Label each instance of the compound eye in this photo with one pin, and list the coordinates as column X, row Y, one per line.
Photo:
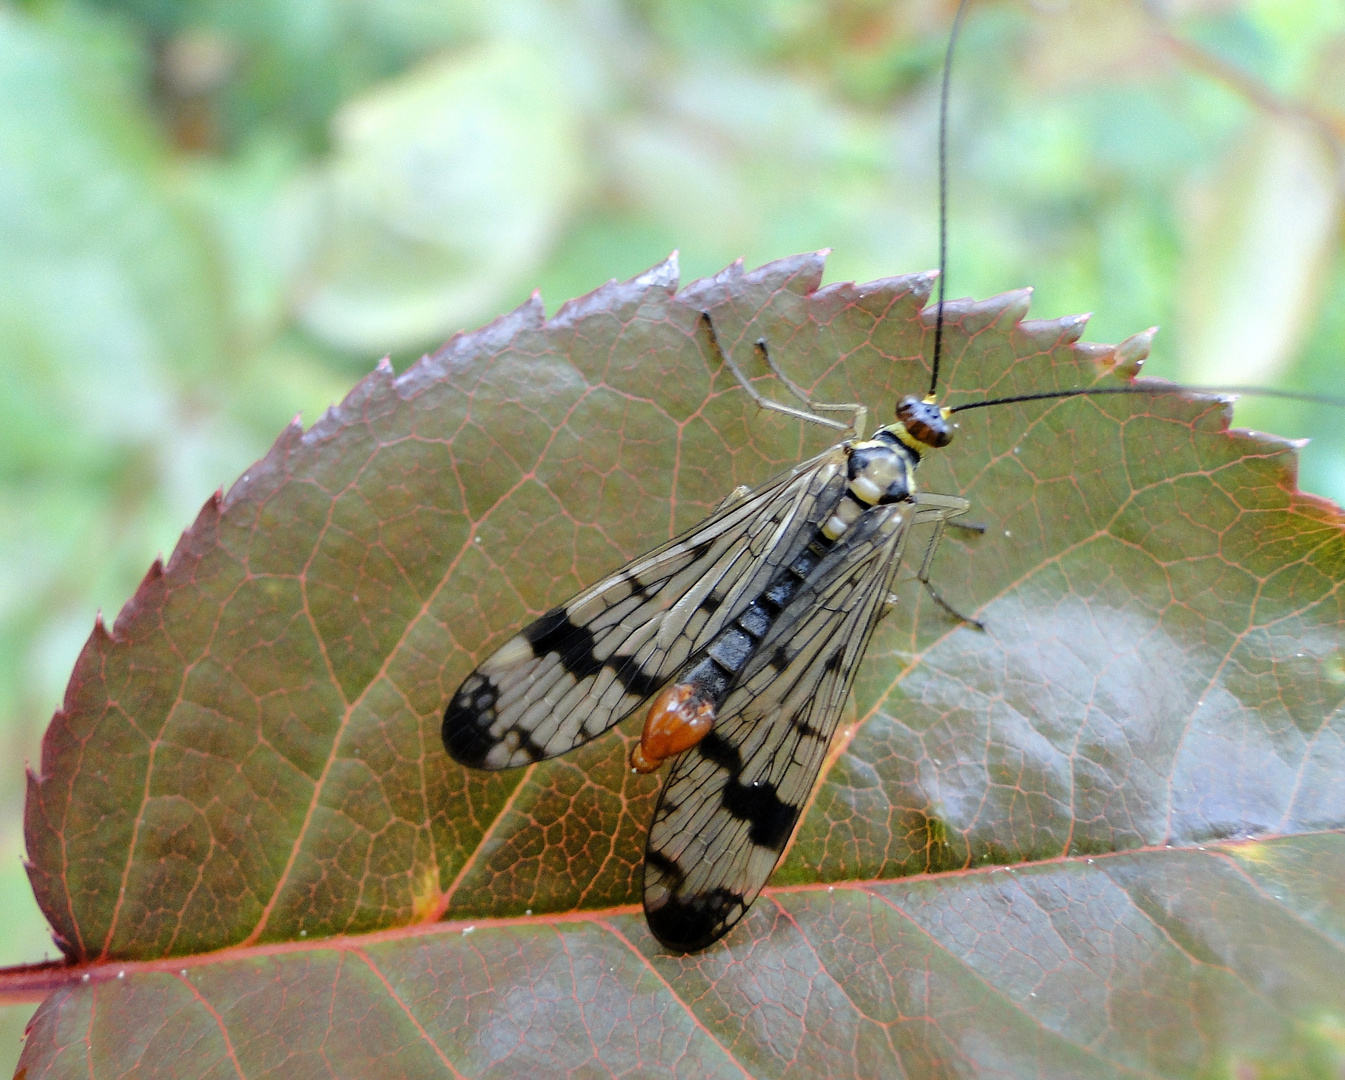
column 925, row 422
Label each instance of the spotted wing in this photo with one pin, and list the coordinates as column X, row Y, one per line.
column 587, row 664
column 731, row 802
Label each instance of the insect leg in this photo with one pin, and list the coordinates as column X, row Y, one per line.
column 754, row 393
column 923, row 577
column 859, row 414
column 942, row 509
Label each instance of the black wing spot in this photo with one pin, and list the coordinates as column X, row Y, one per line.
column 534, row 750
column 665, row 866
column 770, row 821
column 630, row 675
column 542, row 627
column 467, row 720
column 710, row 603
column 780, row 658
column 555, row 633
column 636, row 588
column 714, row 747
column 693, row 923
column 574, row 645
column 801, row 725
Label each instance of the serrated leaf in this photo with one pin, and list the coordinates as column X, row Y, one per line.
column 249, row 760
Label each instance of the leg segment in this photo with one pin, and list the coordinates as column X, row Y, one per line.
column 766, row 403
column 941, row 510
column 859, row 414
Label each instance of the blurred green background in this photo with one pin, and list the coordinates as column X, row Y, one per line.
column 215, row 214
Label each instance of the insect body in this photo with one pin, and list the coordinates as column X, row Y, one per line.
column 746, row 633
column 749, row 629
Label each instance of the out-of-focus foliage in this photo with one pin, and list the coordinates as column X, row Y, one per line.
column 214, row 215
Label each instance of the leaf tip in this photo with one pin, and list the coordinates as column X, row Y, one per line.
column 1132, row 352
column 205, row 522
column 976, row 315
column 662, row 275
column 1012, row 306
column 613, row 294
column 466, row 348
column 1075, row 324
column 1046, row 334
column 795, row 273
column 922, row 285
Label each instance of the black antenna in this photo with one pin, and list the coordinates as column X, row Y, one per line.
column 943, row 195
column 1157, row 388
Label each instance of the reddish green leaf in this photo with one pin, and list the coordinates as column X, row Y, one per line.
column 1157, row 963
column 251, row 756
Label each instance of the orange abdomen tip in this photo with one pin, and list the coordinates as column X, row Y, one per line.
column 678, row 719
